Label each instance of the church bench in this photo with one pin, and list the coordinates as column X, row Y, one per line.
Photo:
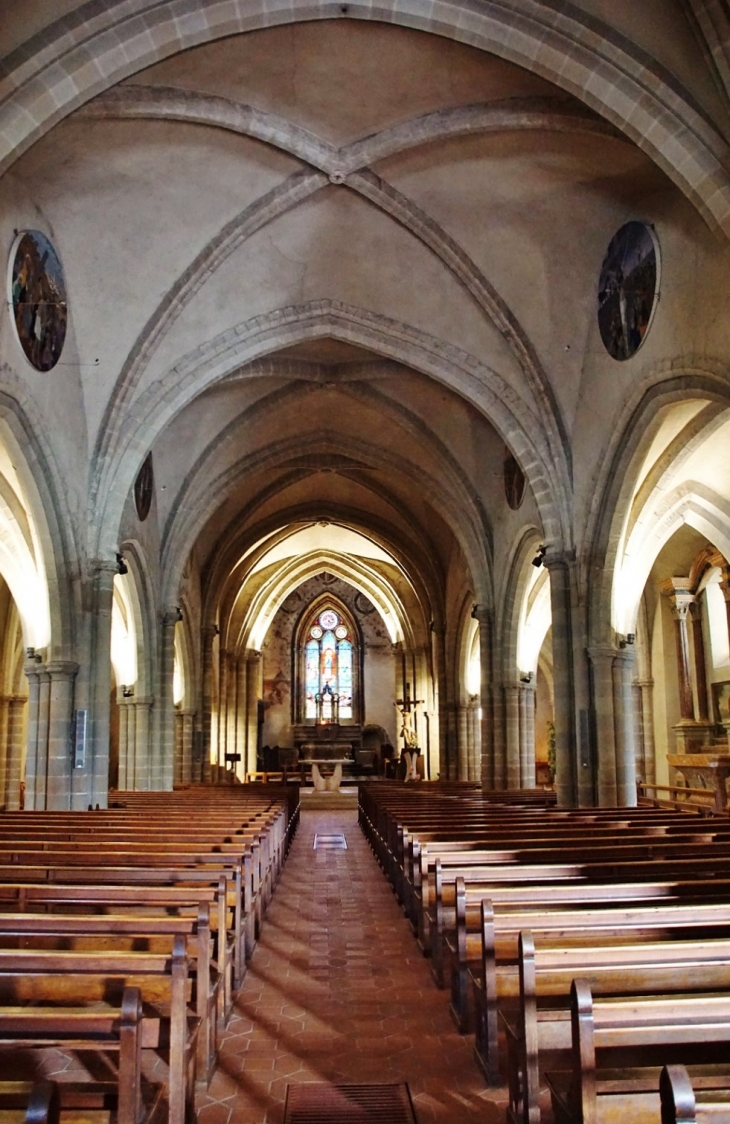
column 636, row 842
column 699, row 1099
column 128, row 933
column 534, row 997
column 106, row 889
column 453, row 854
column 494, row 981
column 704, row 865
column 29, row 1102
column 48, row 979
column 617, row 1047
column 114, row 1030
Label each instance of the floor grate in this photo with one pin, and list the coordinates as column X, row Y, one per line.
column 315, row 1103
column 333, row 842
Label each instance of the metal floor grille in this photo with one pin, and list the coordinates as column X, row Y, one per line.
column 333, row 842
column 315, row 1103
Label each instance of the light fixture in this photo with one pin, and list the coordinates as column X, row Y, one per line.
column 630, row 637
column 122, row 567
column 539, row 557
column 526, row 677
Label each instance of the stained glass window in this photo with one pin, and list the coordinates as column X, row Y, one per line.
column 328, row 667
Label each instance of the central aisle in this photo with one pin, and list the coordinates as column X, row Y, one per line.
column 338, row 991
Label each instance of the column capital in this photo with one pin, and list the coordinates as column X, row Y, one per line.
column 482, row 613
column 170, row 615
column 680, row 593
column 602, row 653
column 558, row 559
column 143, row 702
column 62, row 669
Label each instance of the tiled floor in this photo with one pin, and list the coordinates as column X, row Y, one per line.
column 337, row 990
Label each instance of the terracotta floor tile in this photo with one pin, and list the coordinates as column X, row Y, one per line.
column 337, row 991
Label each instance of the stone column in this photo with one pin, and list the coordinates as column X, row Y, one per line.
column 16, row 744
column 463, row 773
column 126, row 744
column 178, row 775
column 207, row 637
column 32, row 671
column 623, row 669
column 132, row 764
column 512, row 732
column 488, row 739
column 100, row 665
column 646, row 689
column 474, row 740
column 242, row 716
column 4, row 700
column 698, row 644
column 231, row 710
column 62, row 675
column 253, row 661
column 144, row 776
column 499, row 772
column 527, row 735
column 680, row 596
column 452, row 742
column 602, row 660
column 222, row 710
column 164, row 759
column 188, row 728
column 559, row 567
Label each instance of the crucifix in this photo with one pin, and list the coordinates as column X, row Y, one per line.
column 407, row 708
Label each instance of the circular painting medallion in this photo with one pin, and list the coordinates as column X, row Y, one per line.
column 316, row 632
column 514, row 481
column 38, row 294
column 143, row 487
column 627, row 289
column 340, row 632
column 329, row 619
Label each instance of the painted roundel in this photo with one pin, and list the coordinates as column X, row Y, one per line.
column 143, row 488
column 38, row 295
column 627, row 289
column 514, row 481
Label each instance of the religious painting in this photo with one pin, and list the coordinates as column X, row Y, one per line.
column 38, row 293
column 627, row 289
column 514, row 481
column 143, row 487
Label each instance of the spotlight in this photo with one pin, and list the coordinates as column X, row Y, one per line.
column 630, row 637
column 526, row 677
column 122, row 567
column 538, row 559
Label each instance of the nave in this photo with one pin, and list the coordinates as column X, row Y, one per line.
column 338, row 991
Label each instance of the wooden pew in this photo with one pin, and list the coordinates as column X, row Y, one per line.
column 534, row 1001
column 29, row 1102
column 114, row 1030
column 631, row 1034
column 555, row 922
column 129, row 933
column 694, row 1100
column 55, row 978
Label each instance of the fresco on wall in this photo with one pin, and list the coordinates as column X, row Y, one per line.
column 627, row 289
column 39, row 299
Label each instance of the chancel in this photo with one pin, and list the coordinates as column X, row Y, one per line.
column 364, row 419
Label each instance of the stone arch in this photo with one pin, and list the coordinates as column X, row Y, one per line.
column 634, row 432
column 319, row 319
column 71, row 61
